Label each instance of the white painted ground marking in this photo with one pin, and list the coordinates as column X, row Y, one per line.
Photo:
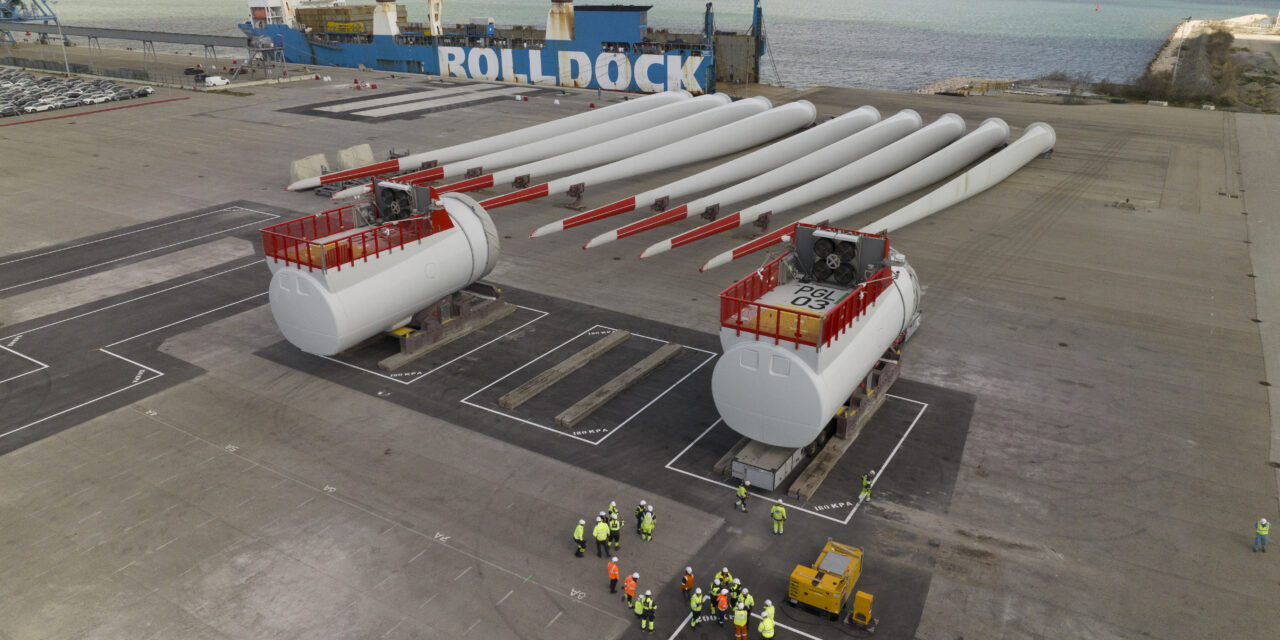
column 505, row 597
column 879, row 472
column 84, row 519
column 472, row 96
column 783, row 626
column 124, row 302
column 213, row 310
column 560, row 432
column 684, row 625
column 680, row 627
column 473, row 625
column 135, row 382
column 134, row 255
column 129, row 233
column 464, row 572
column 413, row 380
column 379, row 102
column 553, row 620
column 40, row 365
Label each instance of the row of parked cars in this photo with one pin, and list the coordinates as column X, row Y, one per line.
column 23, row 92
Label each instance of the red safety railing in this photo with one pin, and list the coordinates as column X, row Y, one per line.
column 309, row 242
column 740, row 311
column 841, row 317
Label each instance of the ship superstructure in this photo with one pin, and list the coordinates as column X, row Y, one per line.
column 609, row 47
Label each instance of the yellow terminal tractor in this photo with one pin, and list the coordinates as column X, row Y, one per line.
column 828, row 584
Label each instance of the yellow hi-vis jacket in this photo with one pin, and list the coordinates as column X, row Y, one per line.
column 695, row 603
column 1264, row 529
column 739, row 617
column 601, row 531
column 766, row 627
column 577, row 533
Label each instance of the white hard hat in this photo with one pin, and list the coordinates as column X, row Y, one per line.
column 612, row 503
column 601, row 514
column 768, row 603
column 698, row 590
column 725, row 570
column 613, row 516
column 746, row 482
column 746, row 590
column 642, row 503
column 580, row 521
column 648, row 592
column 688, row 569
column 649, row 508
column 724, row 591
column 635, row 575
column 871, row 472
column 1264, row 521
column 613, row 559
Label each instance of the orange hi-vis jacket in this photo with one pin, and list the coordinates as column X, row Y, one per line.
column 688, row 581
column 722, row 602
column 629, row 585
column 613, row 570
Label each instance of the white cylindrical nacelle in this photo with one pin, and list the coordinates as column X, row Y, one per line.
column 328, row 312
column 784, row 396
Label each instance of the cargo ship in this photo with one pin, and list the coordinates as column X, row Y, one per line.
column 608, row 47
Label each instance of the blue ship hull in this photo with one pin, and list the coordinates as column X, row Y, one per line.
column 583, row 62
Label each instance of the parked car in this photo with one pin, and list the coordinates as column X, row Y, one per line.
column 143, row 91
column 8, row 110
column 37, row 107
column 216, row 81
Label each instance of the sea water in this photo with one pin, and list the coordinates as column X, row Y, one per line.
column 884, row 44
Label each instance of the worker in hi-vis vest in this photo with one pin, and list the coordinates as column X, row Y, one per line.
column 648, row 613
column 1261, row 532
column 629, row 588
column 601, row 534
column 867, row 480
column 695, row 605
column 740, row 619
column 766, row 627
column 778, row 514
column 613, row 574
column 742, row 495
column 579, row 539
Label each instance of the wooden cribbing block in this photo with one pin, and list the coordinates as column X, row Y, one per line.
column 584, row 407
column 558, row 371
